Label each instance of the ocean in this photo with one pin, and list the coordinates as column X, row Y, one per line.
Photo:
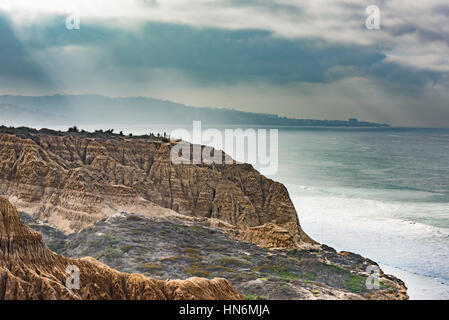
column 382, row 193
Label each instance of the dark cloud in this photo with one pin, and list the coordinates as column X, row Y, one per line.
column 441, row 10
column 221, row 56
column 16, row 62
column 424, row 35
column 265, row 5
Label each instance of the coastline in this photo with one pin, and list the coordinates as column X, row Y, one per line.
column 419, row 287
column 379, row 242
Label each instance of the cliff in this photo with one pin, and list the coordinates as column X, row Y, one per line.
column 72, row 181
column 29, row 270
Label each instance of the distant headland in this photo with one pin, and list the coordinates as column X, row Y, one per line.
column 92, row 109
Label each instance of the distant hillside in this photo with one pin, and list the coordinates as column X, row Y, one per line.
column 92, row 109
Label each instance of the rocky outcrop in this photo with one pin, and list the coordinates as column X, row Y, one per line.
column 29, row 270
column 182, row 248
column 268, row 236
column 72, row 181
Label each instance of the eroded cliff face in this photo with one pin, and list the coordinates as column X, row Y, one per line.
column 29, row 270
column 73, row 181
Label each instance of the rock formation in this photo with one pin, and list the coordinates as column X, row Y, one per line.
column 72, row 181
column 29, row 270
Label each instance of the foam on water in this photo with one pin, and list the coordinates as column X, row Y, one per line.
column 377, row 229
column 419, row 287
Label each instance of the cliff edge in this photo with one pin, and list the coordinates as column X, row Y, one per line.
column 72, row 181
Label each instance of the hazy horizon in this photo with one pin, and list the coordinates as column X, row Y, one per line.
column 103, row 112
column 108, row 126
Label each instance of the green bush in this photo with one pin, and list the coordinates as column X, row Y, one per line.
column 277, row 271
column 150, row 266
column 230, row 261
column 199, row 269
column 355, row 283
column 127, row 248
column 171, row 259
column 111, row 254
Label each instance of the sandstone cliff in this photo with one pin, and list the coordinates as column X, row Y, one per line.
column 72, row 181
column 29, row 270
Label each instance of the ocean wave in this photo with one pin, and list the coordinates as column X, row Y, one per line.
column 387, row 232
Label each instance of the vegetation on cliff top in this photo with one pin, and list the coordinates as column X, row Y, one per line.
column 74, row 131
column 172, row 249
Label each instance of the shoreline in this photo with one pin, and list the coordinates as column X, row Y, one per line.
column 401, row 248
column 419, row 287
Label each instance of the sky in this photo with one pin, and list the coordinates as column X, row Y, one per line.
column 302, row 59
